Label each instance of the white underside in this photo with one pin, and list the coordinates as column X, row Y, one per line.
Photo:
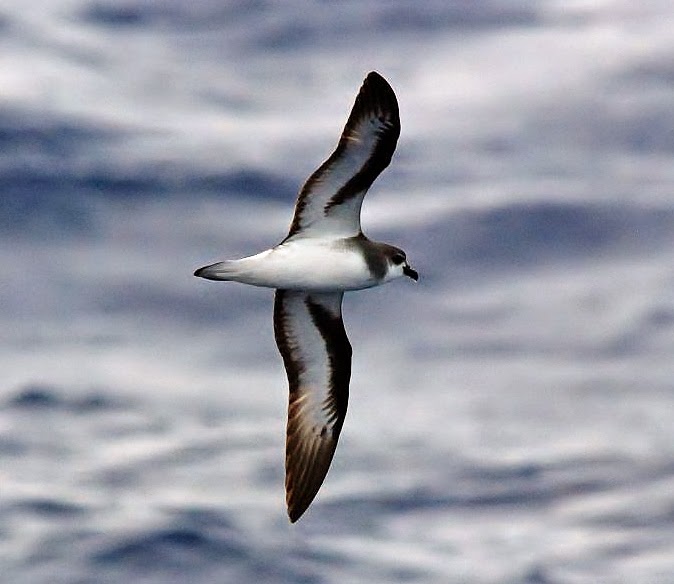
column 327, row 265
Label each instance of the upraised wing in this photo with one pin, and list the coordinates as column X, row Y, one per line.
column 316, row 353
column 329, row 202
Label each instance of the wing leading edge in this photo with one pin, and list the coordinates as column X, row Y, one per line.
column 331, row 198
column 316, row 353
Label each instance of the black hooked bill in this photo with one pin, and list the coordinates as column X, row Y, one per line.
column 411, row 273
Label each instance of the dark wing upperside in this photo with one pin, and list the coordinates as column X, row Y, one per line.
column 316, row 353
column 330, row 200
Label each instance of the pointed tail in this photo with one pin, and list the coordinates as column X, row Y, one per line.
column 220, row 271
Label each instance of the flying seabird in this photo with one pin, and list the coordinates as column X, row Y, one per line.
column 325, row 254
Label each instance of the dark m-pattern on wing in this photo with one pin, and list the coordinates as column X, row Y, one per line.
column 325, row 254
column 309, row 326
column 376, row 105
column 284, row 342
column 381, row 100
column 339, row 353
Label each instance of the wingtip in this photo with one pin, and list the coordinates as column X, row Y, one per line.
column 295, row 514
column 299, row 495
column 297, row 506
column 375, row 78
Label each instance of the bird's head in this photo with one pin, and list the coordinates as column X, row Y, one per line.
column 398, row 265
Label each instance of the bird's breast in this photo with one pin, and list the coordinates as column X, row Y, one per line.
column 310, row 266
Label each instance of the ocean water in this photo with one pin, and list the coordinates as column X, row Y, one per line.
column 511, row 417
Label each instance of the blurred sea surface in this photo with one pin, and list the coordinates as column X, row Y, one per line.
column 511, row 416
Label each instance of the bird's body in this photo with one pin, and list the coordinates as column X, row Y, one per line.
column 317, row 264
column 324, row 255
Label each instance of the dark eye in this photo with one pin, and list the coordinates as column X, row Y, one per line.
column 398, row 259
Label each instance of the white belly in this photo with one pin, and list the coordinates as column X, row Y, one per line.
column 299, row 265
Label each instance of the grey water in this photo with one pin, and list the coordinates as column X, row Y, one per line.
column 511, row 416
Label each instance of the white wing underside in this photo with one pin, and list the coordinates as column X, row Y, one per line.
column 317, row 356
column 329, row 203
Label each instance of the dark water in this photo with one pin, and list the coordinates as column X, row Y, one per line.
column 511, row 415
